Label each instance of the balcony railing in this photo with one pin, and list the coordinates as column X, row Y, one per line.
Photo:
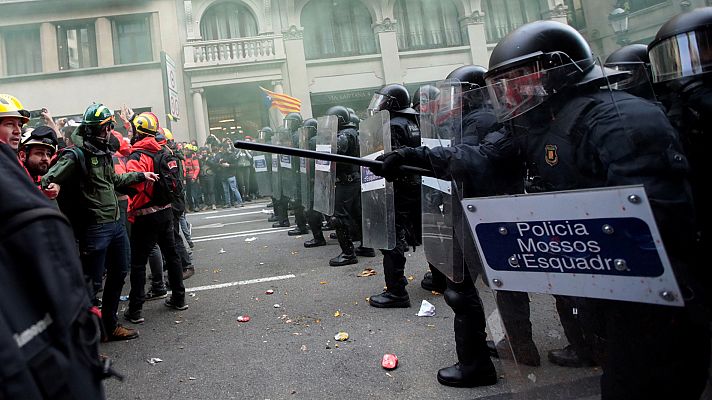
column 212, row 53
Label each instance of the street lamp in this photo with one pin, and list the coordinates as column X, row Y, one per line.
column 618, row 19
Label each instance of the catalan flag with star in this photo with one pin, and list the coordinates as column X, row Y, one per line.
column 284, row 103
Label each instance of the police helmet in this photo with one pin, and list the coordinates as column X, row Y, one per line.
column 633, row 59
column 469, row 74
column 536, row 61
column 425, row 93
column 682, row 48
column 342, row 114
column 292, row 121
column 393, row 97
column 310, row 124
column 265, row 134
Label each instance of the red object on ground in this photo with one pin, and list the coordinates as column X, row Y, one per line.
column 390, row 361
column 243, row 318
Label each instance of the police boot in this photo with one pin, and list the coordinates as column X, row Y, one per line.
column 434, row 281
column 298, row 231
column 282, row 224
column 474, row 367
column 347, row 256
column 273, row 218
column 365, row 251
column 390, row 299
column 316, row 242
column 518, row 346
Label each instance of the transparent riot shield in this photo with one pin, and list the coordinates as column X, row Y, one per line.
column 377, row 202
column 275, row 171
column 262, row 163
column 306, row 171
column 288, row 170
column 585, row 288
column 440, row 126
column 325, row 171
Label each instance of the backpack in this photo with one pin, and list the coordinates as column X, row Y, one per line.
column 48, row 342
column 169, row 188
column 70, row 200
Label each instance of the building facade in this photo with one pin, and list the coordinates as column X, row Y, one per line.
column 65, row 54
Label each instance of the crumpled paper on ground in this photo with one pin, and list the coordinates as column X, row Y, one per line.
column 426, row 309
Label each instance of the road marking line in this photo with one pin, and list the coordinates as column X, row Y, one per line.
column 239, row 283
column 233, row 215
column 237, row 235
column 494, row 323
column 206, row 212
column 221, row 225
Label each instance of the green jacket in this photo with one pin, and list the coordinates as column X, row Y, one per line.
column 97, row 186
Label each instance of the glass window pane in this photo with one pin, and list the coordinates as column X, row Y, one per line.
column 337, row 28
column 228, row 21
column 22, row 51
column 427, row 24
column 133, row 40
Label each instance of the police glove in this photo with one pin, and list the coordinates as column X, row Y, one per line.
column 391, row 163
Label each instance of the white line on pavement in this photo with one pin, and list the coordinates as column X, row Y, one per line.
column 233, row 215
column 238, row 234
column 221, row 225
column 494, row 323
column 239, row 283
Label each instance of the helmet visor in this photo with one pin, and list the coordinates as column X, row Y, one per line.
column 680, row 56
column 516, row 91
column 637, row 75
column 378, row 102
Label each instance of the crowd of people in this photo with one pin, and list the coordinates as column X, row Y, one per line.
column 543, row 117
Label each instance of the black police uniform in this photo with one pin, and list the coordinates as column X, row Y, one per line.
column 405, row 132
column 347, row 206
column 595, row 149
column 300, row 218
column 314, row 218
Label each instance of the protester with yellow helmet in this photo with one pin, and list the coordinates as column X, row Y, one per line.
column 12, row 117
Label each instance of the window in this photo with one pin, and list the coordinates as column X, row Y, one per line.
column 503, row 16
column 132, row 40
column 227, row 21
column 23, row 52
column 427, row 24
column 337, row 28
column 77, row 46
column 635, row 5
column 576, row 17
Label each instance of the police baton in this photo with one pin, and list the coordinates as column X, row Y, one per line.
column 269, row 148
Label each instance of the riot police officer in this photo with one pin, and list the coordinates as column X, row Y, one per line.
column 292, row 122
column 681, row 61
column 405, row 132
column 633, row 59
column 347, row 209
column 314, row 218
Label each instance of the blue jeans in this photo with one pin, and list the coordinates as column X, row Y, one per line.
column 106, row 245
column 230, row 185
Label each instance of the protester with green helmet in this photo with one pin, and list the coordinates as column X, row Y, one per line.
column 86, row 170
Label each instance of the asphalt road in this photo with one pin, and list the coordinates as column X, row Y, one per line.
column 287, row 350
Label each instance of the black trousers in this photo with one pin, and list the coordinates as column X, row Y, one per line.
column 146, row 232
column 347, row 212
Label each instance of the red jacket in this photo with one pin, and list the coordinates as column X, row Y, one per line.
column 192, row 168
column 139, row 162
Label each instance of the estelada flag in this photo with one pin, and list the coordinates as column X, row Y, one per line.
column 284, row 103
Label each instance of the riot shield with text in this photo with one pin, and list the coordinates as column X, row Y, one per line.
column 440, row 126
column 273, row 159
column 262, row 163
column 377, row 202
column 589, row 268
column 288, row 171
column 306, row 170
column 325, row 171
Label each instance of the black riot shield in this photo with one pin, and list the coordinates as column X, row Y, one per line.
column 441, row 126
column 589, row 270
column 275, row 171
column 325, row 171
column 262, row 163
column 288, row 170
column 306, row 170
column 377, row 201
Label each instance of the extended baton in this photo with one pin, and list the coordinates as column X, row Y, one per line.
column 270, row 148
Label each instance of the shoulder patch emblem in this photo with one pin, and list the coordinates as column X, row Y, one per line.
column 551, row 157
column 94, row 161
